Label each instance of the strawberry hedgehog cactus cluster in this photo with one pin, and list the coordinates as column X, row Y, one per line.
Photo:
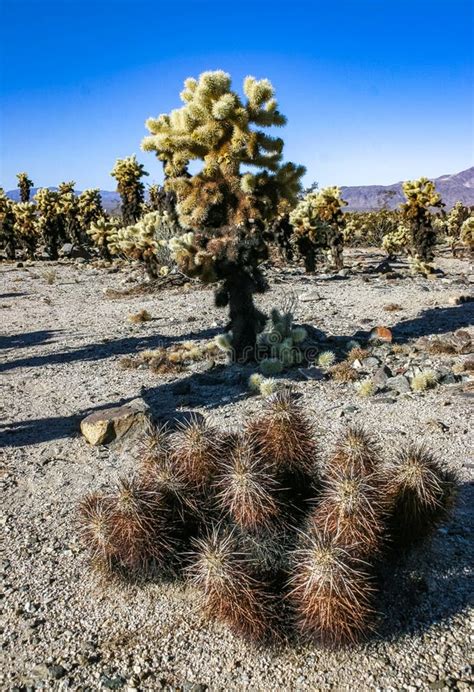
column 277, row 534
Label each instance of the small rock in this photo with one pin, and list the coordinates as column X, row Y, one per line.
column 57, row 671
column 111, row 424
column 312, row 373
column 399, row 383
column 381, row 376
column 462, row 341
column 114, row 683
column 382, row 334
column 370, row 362
column 66, row 250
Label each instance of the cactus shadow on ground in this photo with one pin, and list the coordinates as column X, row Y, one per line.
column 433, row 583
column 98, row 351
column 434, row 321
column 28, row 338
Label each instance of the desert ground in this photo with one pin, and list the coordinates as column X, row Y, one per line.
column 62, row 342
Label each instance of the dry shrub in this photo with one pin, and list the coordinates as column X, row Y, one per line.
column 140, row 316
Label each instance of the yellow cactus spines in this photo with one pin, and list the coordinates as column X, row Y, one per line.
column 397, row 241
column 216, row 126
column 416, row 213
column 128, row 173
column 27, row 226
column 7, row 225
column 24, row 185
column 103, row 233
column 318, row 223
column 49, row 220
column 68, row 214
column 147, row 241
column 467, row 233
column 89, row 204
column 221, row 134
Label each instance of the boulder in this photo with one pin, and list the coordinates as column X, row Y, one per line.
column 399, row 384
column 107, row 425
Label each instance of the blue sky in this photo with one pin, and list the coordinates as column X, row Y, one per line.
column 375, row 91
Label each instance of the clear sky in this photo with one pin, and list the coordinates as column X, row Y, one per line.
column 375, row 91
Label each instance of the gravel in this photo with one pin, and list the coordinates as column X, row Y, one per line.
column 61, row 349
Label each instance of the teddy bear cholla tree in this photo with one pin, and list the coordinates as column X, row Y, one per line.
column 224, row 205
column 268, row 531
column 318, row 223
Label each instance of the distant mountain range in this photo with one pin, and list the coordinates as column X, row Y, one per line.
column 459, row 186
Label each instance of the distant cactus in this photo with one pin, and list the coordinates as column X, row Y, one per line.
column 416, row 214
column 318, row 223
column 128, row 173
column 467, row 233
column 24, row 185
column 454, row 222
column 7, row 225
column 49, row 221
column 103, row 233
column 68, row 213
column 147, row 241
column 27, row 226
column 89, row 208
column 226, row 207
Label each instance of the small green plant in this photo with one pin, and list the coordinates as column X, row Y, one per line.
column 279, row 344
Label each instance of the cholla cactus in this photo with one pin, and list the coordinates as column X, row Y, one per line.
column 397, row 240
column 27, row 226
column 318, row 222
column 7, row 225
column 128, row 173
column 224, row 205
column 24, row 185
column 421, row 197
column 454, row 222
column 49, row 222
column 467, row 233
column 148, row 241
column 279, row 345
column 369, row 228
column 104, row 233
column 68, row 213
column 89, row 208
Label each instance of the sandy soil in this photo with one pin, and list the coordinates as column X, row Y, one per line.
column 61, row 344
